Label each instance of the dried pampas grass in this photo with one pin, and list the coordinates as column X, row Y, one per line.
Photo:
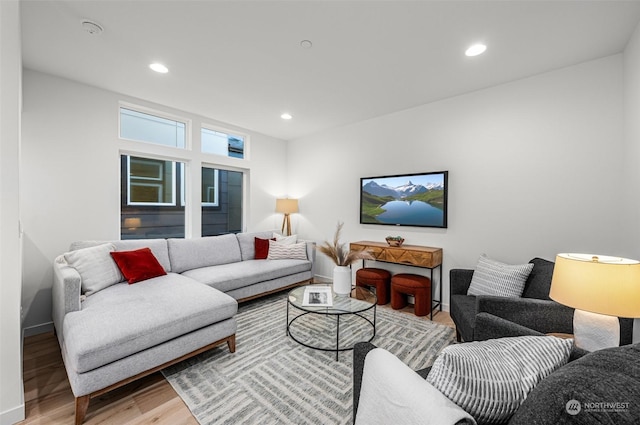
column 339, row 253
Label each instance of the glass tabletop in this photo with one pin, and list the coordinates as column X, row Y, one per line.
column 360, row 299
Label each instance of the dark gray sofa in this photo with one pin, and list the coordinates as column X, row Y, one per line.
column 607, row 376
column 534, row 310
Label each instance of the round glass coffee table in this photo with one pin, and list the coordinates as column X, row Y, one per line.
column 330, row 322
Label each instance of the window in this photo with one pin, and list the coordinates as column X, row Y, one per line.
column 219, row 143
column 224, row 215
column 149, row 190
column 160, row 185
column 135, row 125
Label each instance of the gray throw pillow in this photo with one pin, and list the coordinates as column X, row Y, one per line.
column 96, row 267
column 492, row 277
column 490, row 379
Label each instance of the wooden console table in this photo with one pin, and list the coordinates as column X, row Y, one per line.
column 407, row 255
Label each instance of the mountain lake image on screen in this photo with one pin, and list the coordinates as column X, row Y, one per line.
column 405, row 200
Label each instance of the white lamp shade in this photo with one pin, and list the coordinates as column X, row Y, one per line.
column 287, row 206
column 597, row 283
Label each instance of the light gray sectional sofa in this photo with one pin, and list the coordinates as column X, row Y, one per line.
column 126, row 331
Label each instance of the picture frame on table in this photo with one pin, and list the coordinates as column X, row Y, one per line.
column 318, row 296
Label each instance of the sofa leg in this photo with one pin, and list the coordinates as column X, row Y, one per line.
column 82, row 405
column 231, row 342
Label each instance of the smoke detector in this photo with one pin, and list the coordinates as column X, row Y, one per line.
column 92, row 27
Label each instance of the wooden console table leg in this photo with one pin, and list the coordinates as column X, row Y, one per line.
column 437, row 302
column 441, row 284
column 432, row 288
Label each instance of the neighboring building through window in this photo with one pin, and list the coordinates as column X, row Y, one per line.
column 221, row 212
column 220, row 143
column 150, row 181
column 210, row 187
column 149, row 190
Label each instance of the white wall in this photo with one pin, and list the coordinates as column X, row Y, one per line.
column 632, row 148
column 632, row 135
column 11, row 388
column 71, row 177
column 535, row 168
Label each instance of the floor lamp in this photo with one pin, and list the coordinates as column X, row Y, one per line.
column 286, row 206
column 601, row 289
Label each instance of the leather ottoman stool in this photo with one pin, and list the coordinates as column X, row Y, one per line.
column 379, row 278
column 404, row 284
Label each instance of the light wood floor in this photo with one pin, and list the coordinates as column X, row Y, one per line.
column 150, row 400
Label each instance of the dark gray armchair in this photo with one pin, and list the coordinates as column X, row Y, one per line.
column 610, row 374
column 534, row 310
column 489, row 327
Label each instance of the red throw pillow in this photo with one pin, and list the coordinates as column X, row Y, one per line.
column 262, row 248
column 138, row 265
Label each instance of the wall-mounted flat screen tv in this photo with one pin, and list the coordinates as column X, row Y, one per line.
column 405, row 200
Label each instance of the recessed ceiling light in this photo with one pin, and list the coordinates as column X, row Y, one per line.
column 286, row 116
column 475, row 50
column 158, row 67
column 306, row 44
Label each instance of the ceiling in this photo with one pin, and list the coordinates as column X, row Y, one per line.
column 241, row 62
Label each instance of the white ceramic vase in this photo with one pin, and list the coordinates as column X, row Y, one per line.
column 342, row 280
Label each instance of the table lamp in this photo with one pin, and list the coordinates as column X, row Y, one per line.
column 601, row 289
column 286, row 206
column 132, row 223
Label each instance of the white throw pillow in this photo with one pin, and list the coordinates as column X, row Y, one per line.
column 286, row 240
column 392, row 393
column 492, row 277
column 490, row 379
column 96, row 267
column 279, row 251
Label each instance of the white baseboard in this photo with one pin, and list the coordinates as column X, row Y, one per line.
column 37, row 329
column 12, row 416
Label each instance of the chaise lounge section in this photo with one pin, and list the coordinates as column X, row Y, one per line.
column 123, row 331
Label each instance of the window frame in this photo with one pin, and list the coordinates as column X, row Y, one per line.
column 160, row 114
column 192, row 159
